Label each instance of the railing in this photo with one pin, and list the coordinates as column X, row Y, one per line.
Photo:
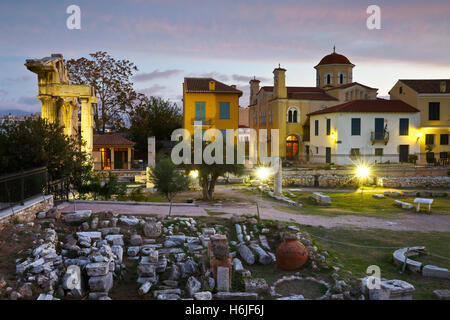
column 60, row 189
column 379, row 136
column 17, row 187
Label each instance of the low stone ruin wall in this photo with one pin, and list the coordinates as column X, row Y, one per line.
column 335, row 181
column 26, row 212
column 413, row 182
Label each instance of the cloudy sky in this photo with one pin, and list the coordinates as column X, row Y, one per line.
column 231, row 41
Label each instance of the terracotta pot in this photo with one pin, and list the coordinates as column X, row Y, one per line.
column 291, row 254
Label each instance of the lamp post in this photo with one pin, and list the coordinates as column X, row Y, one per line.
column 362, row 172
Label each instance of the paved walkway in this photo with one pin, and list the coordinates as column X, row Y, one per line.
column 417, row 222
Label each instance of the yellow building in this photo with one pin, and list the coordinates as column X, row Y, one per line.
column 286, row 108
column 432, row 98
column 213, row 103
column 112, row 152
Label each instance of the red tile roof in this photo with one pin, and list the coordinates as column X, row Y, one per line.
column 369, row 106
column 427, row 85
column 348, row 85
column 334, row 58
column 304, row 93
column 111, row 139
column 202, row 85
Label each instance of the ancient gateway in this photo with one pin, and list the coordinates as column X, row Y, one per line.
column 61, row 100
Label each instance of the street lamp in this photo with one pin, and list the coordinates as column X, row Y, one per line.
column 362, row 171
column 263, row 173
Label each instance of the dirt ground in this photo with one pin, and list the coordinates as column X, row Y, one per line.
column 235, row 201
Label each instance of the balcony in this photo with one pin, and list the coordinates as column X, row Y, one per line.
column 379, row 137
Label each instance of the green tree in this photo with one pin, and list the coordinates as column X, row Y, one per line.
column 153, row 116
column 102, row 186
column 111, row 80
column 35, row 143
column 209, row 173
column 167, row 179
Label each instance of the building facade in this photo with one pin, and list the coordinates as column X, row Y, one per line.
column 366, row 131
column 213, row 103
column 112, row 152
column 432, row 99
column 286, row 108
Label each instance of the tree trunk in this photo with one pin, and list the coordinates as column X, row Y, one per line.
column 211, row 186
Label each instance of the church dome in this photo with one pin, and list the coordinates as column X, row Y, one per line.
column 334, row 58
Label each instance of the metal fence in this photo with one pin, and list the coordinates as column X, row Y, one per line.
column 17, row 187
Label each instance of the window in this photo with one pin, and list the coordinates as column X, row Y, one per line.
column 354, row 153
column 444, row 139
column 328, row 78
column 404, row 127
column 429, row 139
column 316, row 127
column 328, row 126
column 341, row 78
column 292, row 115
column 200, row 109
column 224, row 110
column 400, row 90
column 433, row 110
column 270, row 116
column 443, row 155
column 356, row 126
column 379, row 152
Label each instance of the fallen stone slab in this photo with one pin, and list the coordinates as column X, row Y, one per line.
column 392, row 290
column 296, row 297
column 378, row 196
column 236, row 296
column 129, row 221
column 115, row 239
column 176, row 291
column 257, row 285
column 203, row 295
column 263, row 257
column 93, row 235
column 246, row 254
column 112, row 230
column 321, row 199
column 435, row 272
column 77, row 216
column 101, row 283
column 442, row 294
column 145, row 288
column 97, row 269
column 403, row 205
column 401, row 257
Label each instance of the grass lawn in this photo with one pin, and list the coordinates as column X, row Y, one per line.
column 357, row 259
column 355, row 203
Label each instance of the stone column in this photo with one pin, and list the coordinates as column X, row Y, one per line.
column 68, row 118
column 112, row 158
column 278, row 177
column 87, row 120
column 151, row 152
column 49, row 108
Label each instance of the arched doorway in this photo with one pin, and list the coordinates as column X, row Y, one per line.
column 292, row 147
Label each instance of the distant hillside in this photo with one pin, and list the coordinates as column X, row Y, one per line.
column 14, row 112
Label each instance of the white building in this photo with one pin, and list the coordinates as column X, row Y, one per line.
column 364, row 130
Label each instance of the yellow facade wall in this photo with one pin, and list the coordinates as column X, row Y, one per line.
column 212, row 110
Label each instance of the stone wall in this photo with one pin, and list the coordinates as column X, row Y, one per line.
column 414, row 182
column 335, row 181
column 26, row 212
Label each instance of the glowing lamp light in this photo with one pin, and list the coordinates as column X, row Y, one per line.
column 362, row 171
column 263, row 173
column 194, row 174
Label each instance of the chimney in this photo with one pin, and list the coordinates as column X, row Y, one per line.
column 443, row 86
column 212, row 85
column 279, row 83
column 254, row 89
